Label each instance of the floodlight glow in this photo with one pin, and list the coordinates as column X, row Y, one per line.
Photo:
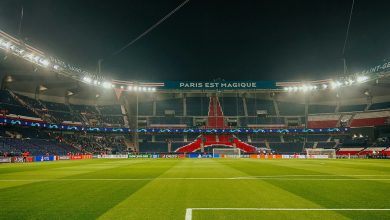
column 44, row 62
column 122, row 87
column 87, row 79
column 144, row 89
column 149, row 89
column 36, row 59
column 286, row 88
column 129, row 88
column 95, row 82
column 56, row 67
column 112, row 86
column 135, row 88
column 324, row 86
column 153, row 89
column 295, row 88
column 335, row 85
column 361, row 79
column 107, row 85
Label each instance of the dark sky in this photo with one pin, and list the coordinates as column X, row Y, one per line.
column 207, row 39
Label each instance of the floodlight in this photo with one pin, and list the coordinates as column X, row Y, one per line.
column 153, row 89
column 44, row 62
column 335, row 84
column 324, row 86
column 107, row 85
column 87, row 79
column 144, row 89
column 361, row 79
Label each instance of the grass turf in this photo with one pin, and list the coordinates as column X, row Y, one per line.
column 165, row 188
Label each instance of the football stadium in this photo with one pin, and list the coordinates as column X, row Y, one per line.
column 79, row 141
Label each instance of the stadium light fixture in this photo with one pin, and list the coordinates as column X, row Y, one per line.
column 122, row 87
column 324, row 86
column 153, row 89
column 335, row 85
column 44, row 62
column 87, row 79
column 130, row 88
column 361, row 79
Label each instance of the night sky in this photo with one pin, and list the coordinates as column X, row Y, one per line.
column 207, row 39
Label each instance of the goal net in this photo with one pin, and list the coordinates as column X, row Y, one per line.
column 320, row 153
column 226, row 153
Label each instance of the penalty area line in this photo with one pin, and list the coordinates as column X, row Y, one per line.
column 189, row 211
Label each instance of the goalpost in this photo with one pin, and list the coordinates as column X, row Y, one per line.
column 320, row 153
column 226, row 153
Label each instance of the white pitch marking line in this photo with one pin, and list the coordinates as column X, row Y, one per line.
column 200, row 178
column 188, row 215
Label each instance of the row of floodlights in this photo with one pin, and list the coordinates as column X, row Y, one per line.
column 25, row 54
column 332, row 85
column 108, row 85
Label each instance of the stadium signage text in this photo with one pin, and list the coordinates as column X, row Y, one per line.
column 220, row 85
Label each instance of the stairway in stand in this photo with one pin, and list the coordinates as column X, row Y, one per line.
column 216, row 120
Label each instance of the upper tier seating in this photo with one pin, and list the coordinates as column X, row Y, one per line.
column 84, row 109
column 232, row 106
column 110, row 109
column 8, row 103
column 197, row 106
column 145, row 108
column 318, row 109
column 32, row 102
column 380, row 105
column 352, row 108
column 175, row 104
column 291, row 109
column 259, row 104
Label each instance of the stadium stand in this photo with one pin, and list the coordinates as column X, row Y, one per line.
column 352, row 108
column 197, row 106
column 380, row 105
column 254, row 104
column 291, row 109
column 319, row 109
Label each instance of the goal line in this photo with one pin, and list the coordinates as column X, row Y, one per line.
column 189, row 211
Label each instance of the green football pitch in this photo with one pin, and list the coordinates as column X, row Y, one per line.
column 196, row 189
